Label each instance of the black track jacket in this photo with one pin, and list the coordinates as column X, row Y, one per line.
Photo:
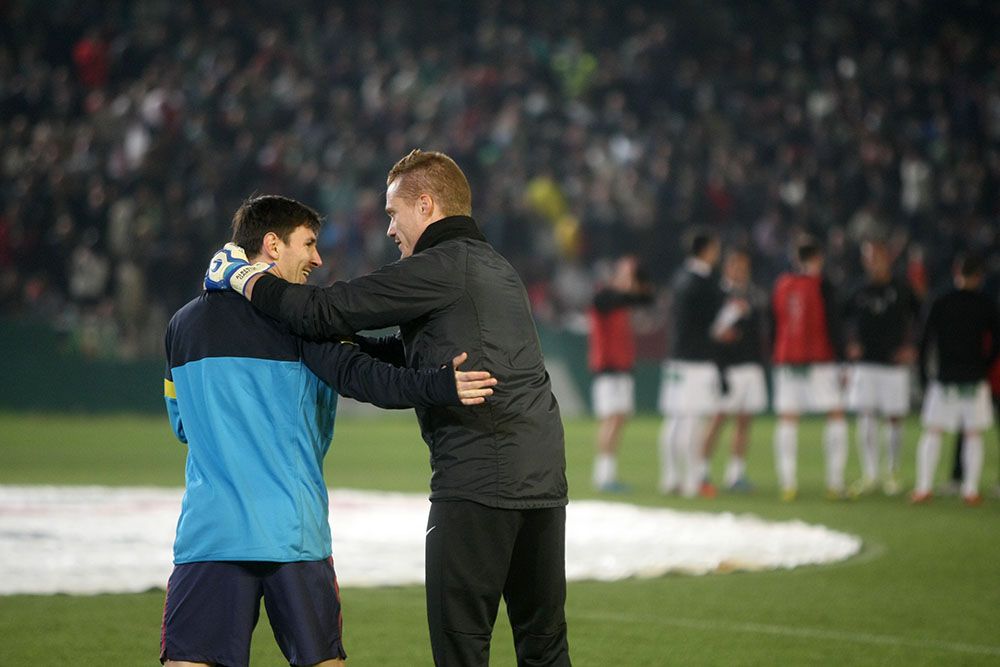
column 454, row 294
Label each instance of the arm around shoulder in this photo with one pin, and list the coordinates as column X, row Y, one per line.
column 354, row 374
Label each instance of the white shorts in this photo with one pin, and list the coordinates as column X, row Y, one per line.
column 881, row 388
column 689, row 388
column 747, row 390
column 809, row 388
column 613, row 394
column 950, row 407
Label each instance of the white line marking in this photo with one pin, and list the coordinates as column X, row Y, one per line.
column 429, row 530
column 791, row 631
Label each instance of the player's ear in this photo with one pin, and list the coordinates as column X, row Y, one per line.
column 270, row 246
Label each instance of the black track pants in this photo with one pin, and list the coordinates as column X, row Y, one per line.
column 474, row 555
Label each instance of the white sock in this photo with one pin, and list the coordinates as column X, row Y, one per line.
column 928, row 452
column 694, row 460
column 972, row 464
column 835, row 446
column 894, row 437
column 669, row 469
column 735, row 470
column 605, row 469
column 786, row 444
column 867, row 434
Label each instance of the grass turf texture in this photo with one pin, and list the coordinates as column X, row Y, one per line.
column 925, row 590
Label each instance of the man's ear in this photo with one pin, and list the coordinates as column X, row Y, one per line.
column 270, row 245
column 425, row 205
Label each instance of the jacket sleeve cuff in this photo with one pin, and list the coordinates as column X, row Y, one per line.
column 447, row 390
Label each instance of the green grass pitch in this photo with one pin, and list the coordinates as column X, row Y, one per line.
column 924, row 591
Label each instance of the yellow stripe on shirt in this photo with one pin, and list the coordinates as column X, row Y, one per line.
column 168, row 389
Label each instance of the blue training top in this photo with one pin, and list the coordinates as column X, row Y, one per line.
column 256, row 406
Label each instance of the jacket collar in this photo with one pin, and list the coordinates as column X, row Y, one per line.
column 445, row 229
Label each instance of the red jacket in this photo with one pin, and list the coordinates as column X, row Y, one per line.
column 612, row 345
column 801, row 325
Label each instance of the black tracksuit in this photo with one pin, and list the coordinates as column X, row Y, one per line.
column 963, row 327
column 697, row 300
column 882, row 317
column 498, row 483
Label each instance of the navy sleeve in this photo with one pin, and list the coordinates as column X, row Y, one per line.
column 354, row 374
column 385, row 348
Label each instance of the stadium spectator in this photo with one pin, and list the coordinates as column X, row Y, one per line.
column 880, row 318
column 807, row 346
column 741, row 362
column 498, row 483
column 963, row 331
column 644, row 121
column 611, row 359
column 253, row 519
column 689, row 389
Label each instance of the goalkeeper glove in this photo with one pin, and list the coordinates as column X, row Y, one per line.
column 230, row 269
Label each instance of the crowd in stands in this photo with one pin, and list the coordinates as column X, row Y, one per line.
column 130, row 132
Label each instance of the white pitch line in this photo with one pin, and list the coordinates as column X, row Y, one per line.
column 807, row 633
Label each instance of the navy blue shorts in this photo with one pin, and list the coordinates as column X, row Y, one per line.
column 211, row 610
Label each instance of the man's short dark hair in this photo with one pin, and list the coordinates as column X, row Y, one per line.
column 257, row 216
column 698, row 239
column 807, row 250
column 970, row 265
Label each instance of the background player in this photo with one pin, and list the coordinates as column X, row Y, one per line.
column 963, row 331
column 256, row 407
column 880, row 319
column 689, row 389
column 612, row 358
column 741, row 361
column 806, row 375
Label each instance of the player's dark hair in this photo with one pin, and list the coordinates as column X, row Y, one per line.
column 807, row 250
column 970, row 265
column 698, row 239
column 259, row 215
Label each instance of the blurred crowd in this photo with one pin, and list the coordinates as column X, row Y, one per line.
column 130, row 132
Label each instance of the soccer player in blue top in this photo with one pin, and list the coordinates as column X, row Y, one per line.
column 256, row 406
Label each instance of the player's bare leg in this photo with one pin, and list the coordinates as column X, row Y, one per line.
column 605, row 474
column 338, row 662
column 184, row 663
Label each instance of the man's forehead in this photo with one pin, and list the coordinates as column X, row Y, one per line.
column 305, row 231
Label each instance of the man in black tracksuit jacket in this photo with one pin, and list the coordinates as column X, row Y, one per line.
column 498, row 484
